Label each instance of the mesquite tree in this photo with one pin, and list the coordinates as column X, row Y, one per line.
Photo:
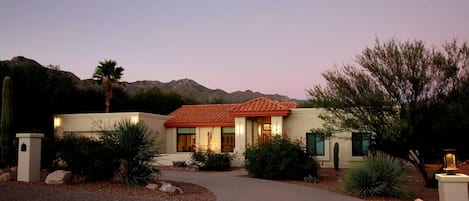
column 386, row 93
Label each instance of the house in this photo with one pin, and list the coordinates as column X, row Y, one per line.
column 230, row 128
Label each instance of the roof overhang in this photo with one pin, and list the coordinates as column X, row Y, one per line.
column 198, row 124
column 260, row 113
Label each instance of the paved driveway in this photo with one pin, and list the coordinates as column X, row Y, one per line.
column 235, row 186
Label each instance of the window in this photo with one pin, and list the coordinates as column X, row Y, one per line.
column 360, row 143
column 227, row 139
column 315, row 143
column 185, row 139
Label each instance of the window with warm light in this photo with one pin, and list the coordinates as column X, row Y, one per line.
column 227, row 139
column 185, row 139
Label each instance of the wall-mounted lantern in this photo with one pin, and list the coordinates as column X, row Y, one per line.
column 449, row 161
column 57, row 122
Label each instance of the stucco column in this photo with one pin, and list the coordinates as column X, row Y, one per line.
column 452, row 187
column 277, row 125
column 29, row 156
column 240, row 141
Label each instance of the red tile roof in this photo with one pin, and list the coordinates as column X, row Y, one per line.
column 201, row 115
column 262, row 107
column 223, row 114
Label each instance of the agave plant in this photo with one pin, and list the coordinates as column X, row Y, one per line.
column 379, row 175
column 134, row 146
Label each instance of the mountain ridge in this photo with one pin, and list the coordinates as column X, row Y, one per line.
column 185, row 87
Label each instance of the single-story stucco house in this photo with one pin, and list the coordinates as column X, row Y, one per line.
column 229, row 128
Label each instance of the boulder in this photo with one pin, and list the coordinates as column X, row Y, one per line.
column 59, row 177
column 152, row 186
column 168, row 188
column 6, row 176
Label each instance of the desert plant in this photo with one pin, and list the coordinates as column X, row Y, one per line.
column 336, row 156
column 6, row 125
column 379, row 175
column 209, row 160
column 134, row 147
column 280, row 159
column 84, row 157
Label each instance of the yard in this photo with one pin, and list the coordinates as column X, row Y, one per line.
column 330, row 180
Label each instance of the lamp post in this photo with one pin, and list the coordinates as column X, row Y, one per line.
column 452, row 186
column 449, row 161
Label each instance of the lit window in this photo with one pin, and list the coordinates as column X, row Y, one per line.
column 185, row 139
column 227, row 139
column 315, row 143
column 360, row 143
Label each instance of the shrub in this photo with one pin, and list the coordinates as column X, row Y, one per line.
column 210, row 160
column 280, row 159
column 379, row 175
column 84, row 157
column 134, row 147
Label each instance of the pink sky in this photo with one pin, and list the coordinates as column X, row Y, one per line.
column 267, row 46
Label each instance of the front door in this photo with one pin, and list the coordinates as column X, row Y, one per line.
column 265, row 129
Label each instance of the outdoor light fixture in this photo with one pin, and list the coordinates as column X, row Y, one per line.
column 134, row 119
column 57, row 122
column 449, row 161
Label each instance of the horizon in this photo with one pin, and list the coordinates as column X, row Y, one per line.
column 272, row 47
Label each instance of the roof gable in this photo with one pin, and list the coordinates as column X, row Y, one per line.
column 262, row 107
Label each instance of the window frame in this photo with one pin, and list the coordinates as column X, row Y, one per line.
column 359, row 138
column 227, row 133
column 178, row 133
column 314, row 135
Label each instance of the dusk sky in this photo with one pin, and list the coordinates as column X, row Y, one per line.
column 267, row 46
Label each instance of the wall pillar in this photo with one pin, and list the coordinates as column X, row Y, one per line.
column 29, row 156
column 240, row 141
column 452, row 187
column 277, row 125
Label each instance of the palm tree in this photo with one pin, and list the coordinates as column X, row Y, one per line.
column 107, row 73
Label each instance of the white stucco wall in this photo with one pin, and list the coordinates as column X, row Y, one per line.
column 88, row 124
column 302, row 120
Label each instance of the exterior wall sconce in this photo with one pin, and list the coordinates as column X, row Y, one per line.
column 449, row 161
column 57, row 122
column 134, row 119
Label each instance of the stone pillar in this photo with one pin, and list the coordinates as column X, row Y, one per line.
column 452, row 187
column 29, row 156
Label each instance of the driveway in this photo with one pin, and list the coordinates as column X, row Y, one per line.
column 235, row 186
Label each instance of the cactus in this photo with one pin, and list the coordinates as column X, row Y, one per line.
column 336, row 156
column 6, row 123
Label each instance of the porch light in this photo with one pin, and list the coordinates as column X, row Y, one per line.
column 57, row 122
column 449, row 161
column 134, row 119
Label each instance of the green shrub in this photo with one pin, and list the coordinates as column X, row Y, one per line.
column 379, row 175
column 280, row 159
column 133, row 147
column 84, row 157
column 210, row 160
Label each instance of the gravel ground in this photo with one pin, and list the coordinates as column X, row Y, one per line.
column 99, row 191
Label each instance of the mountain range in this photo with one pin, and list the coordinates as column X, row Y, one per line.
column 185, row 87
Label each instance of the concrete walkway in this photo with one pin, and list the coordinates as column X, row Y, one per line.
column 235, row 186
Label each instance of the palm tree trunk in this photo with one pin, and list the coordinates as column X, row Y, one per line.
column 108, row 94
